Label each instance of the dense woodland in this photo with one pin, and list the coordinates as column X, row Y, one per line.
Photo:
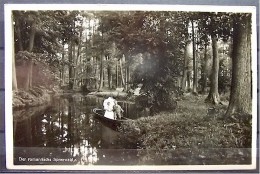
column 167, row 53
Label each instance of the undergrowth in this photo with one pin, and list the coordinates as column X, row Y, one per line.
column 33, row 97
column 195, row 133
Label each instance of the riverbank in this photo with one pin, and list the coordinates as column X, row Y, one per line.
column 195, row 133
column 114, row 94
column 36, row 96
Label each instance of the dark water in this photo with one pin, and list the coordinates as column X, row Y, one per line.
column 66, row 132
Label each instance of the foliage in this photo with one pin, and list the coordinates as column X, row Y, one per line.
column 46, row 30
column 158, row 37
column 157, row 91
column 217, row 24
column 52, row 30
column 151, row 42
column 34, row 97
column 45, row 75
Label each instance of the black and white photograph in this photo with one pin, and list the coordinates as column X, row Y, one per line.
column 130, row 87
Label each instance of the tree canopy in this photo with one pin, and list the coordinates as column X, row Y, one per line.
column 111, row 49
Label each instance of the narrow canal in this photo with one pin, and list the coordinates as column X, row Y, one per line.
column 67, row 132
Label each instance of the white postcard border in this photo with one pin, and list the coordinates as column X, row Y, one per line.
column 122, row 7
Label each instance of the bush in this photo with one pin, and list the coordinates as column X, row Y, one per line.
column 158, row 101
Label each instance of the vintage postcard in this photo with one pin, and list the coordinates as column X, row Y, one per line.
column 130, row 87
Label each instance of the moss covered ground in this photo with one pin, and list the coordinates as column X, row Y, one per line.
column 194, row 134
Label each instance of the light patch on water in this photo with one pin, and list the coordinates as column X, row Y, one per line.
column 87, row 154
column 44, row 121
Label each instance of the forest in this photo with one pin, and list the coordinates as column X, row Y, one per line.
column 181, row 61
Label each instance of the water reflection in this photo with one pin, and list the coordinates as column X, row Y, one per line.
column 67, row 130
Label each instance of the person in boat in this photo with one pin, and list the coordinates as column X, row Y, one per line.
column 108, row 105
column 117, row 111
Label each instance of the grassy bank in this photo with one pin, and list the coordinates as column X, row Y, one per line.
column 196, row 133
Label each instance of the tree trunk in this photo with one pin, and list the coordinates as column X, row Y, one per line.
column 240, row 95
column 117, row 73
column 109, row 73
column 128, row 77
column 213, row 96
column 126, row 80
column 185, row 68
column 28, row 83
column 101, row 82
column 74, row 55
column 63, row 65
column 127, row 68
column 189, row 80
column 77, row 59
column 195, row 65
column 32, row 35
column 70, row 64
column 104, row 78
column 96, row 74
column 205, row 70
column 75, row 67
column 18, row 30
column 101, row 59
column 127, row 73
column 14, row 80
column 121, row 72
column 113, row 81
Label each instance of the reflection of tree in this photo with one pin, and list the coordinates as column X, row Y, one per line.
column 70, row 136
column 112, row 152
column 82, row 129
column 26, row 126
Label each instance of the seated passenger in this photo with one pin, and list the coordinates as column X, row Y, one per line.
column 117, row 111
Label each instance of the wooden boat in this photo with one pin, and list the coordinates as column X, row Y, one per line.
column 99, row 114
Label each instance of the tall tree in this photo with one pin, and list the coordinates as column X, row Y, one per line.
column 216, row 26
column 186, row 68
column 195, row 63
column 78, row 54
column 117, row 75
column 62, row 67
column 109, row 71
column 213, row 96
column 70, row 50
column 36, row 40
column 28, row 83
column 17, row 29
column 102, row 56
column 203, row 42
column 127, row 71
column 14, row 80
column 240, row 96
column 121, row 71
column 205, row 69
column 213, row 25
